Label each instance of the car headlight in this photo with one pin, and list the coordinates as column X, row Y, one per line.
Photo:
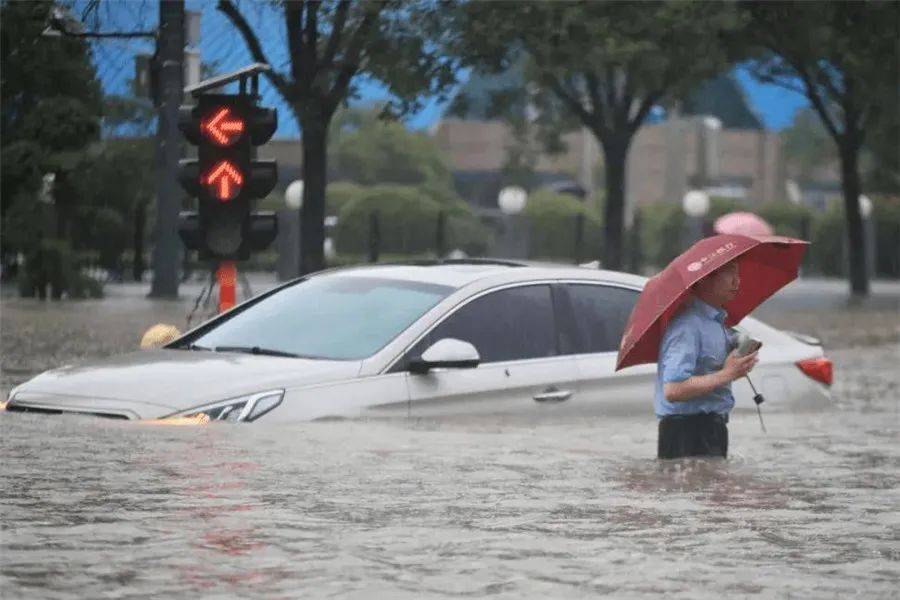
column 236, row 410
column 9, row 398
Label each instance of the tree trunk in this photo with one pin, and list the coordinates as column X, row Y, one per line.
column 312, row 213
column 856, row 243
column 615, row 154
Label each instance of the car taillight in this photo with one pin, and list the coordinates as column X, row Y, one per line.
column 821, row 369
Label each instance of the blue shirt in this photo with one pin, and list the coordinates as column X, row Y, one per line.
column 695, row 343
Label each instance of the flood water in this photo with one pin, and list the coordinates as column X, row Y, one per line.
column 105, row 509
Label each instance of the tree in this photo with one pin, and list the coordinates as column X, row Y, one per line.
column 51, row 106
column 378, row 152
column 333, row 45
column 807, row 145
column 114, row 191
column 606, row 63
column 843, row 57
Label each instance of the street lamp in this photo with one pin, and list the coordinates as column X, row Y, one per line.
column 695, row 205
column 293, row 195
column 288, row 240
column 512, row 200
column 865, row 206
column 865, row 211
column 794, row 195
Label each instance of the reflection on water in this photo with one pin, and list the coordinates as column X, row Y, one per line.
column 93, row 508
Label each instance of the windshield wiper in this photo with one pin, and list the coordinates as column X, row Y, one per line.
column 193, row 347
column 255, row 350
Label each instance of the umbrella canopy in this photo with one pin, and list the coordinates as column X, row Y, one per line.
column 766, row 264
column 742, row 223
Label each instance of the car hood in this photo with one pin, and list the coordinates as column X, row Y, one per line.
column 154, row 383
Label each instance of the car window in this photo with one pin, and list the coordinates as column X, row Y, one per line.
column 600, row 313
column 510, row 324
column 333, row 317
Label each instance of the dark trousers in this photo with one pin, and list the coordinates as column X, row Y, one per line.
column 693, row 435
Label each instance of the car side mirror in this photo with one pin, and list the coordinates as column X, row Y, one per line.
column 448, row 353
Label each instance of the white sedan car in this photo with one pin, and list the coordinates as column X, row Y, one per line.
column 420, row 340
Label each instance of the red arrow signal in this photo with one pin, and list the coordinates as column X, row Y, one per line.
column 224, row 179
column 222, row 128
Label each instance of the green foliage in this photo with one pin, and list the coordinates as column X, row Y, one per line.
column 604, row 63
column 25, row 221
column 886, row 212
column 828, row 240
column 791, row 220
column 53, row 268
column 111, row 234
column 50, row 115
column 387, row 152
column 408, row 219
column 719, row 206
column 109, row 190
column 827, row 254
column 339, row 194
column 843, row 57
column 21, row 163
column 786, row 218
column 807, row 145
column 60, row 124
column 36, row 68
column 662, row 232
column 552, row 221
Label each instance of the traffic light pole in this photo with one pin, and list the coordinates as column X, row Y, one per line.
column 170, row 50
column 226, row 177
column 227, row 278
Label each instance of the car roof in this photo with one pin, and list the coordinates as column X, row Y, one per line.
column 459, row 274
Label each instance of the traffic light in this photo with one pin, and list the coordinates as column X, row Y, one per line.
column 226, row 178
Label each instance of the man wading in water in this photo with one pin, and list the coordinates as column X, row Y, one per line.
column 695, row 370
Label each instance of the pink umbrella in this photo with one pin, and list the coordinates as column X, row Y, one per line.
column 742, row 223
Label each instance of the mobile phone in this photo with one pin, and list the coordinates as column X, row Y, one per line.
column 747, row 345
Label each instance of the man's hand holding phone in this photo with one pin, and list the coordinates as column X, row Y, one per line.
column 737, row 366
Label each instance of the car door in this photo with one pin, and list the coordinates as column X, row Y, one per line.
column 593, row 317
column 521, row 370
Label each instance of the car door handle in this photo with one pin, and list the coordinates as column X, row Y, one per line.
column 553, row 395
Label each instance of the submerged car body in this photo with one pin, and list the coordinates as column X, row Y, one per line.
column 419, row 340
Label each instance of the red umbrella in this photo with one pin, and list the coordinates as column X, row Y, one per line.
column 766, row 264
column 742, row 223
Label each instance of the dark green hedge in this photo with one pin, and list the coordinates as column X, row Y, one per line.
column 552, row 225
column 662, row 231
column 408, row 219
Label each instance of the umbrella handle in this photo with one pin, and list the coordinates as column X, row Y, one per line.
column 758, row 399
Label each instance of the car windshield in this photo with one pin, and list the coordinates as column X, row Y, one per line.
column 328, row 317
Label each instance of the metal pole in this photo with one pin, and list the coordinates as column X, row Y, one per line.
column 227, row 276
column 374, row 237
column 170, row 54
column 579, row 237
column 440, row 243
column 869, row 232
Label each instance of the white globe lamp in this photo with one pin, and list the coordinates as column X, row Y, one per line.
column 865, row 206
column 695, row 203
column 293, row 195
column 512, row 200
